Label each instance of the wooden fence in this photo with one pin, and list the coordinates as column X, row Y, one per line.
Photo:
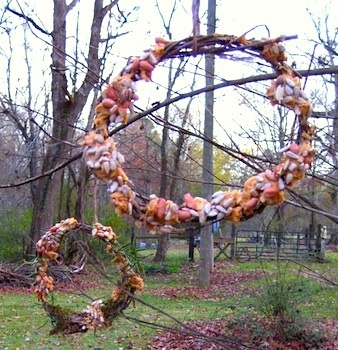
column 248, row 244
column 276, row 244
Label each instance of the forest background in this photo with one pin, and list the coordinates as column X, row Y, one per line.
column 57, row 57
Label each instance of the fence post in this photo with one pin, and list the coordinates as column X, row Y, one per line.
column 232, row 246
column 318, row 241
column 191, row 235
column 133, row 238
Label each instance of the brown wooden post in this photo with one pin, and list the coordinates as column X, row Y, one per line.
column 232, row 247
column 133, row 238
column 191, row 235
column 318, row 240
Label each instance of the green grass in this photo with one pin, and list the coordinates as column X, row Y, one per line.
column 315, row 298
column 24, row 324
column 175, row 259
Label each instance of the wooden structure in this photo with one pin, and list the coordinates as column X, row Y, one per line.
column 276, row 244
column 248, row 245
column 222, row 245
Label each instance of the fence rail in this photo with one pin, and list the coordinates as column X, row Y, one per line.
column 249, row 245
column 273, row 244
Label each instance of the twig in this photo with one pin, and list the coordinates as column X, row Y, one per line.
column 138, row 116
column 28, row 19
column 316, row 274
column 183, row 325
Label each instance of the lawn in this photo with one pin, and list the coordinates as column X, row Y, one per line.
column 170, row 296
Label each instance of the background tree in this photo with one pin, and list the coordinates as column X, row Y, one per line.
column 69, row 97
column 47, row 136
column 326, row 55
column 174, row 70
column 207, row 243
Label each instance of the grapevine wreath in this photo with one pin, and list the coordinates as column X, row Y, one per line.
column 158, row 214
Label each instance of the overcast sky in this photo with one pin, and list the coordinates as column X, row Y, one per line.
column 236, row 17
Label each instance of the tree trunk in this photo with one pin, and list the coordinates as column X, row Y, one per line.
column 44, row 198
column 334, row 154
column 174, row 193
column 162, row 247
column 207, row 245
column 164, row 238
column 330, row 45
column 66, row 109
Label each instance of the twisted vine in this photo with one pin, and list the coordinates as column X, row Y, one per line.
column 159, row 214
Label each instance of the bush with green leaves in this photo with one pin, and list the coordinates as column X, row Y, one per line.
column 75, row 245
column 279, row 299
column 15, row 226
column 280, row 303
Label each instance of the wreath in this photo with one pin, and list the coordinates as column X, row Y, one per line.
column 159, row 214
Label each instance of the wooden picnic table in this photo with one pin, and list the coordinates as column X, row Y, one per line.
column 222, row 243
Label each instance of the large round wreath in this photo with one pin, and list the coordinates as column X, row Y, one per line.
column 159, row 214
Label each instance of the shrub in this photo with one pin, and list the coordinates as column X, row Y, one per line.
column 280, row 304
column 15, row 226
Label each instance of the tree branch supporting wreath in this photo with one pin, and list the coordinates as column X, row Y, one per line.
column 159, row 214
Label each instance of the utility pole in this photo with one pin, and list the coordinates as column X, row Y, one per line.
column 207, row 244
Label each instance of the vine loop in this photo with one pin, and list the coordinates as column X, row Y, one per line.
column 159, row 214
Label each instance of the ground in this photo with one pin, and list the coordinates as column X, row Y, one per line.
column 242, row 332
column 255, row 333
column 242, row 335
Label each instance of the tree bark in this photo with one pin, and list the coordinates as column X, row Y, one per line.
column 334, row 154
column 163, row 239
column 207, row 245
column 66, row 109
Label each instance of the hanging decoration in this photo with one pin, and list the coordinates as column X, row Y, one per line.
column 157, row 214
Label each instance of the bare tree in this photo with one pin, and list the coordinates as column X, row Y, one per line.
column 326, row 56
column 173, row 75
column 207, row 243
column 69, row 96
column 22, row 118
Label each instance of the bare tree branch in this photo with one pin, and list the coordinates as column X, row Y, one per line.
column 138, row 116
column 110, row 6
column 72, row 5
column 47, row 173
column 237, row 82
column 28, row 19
